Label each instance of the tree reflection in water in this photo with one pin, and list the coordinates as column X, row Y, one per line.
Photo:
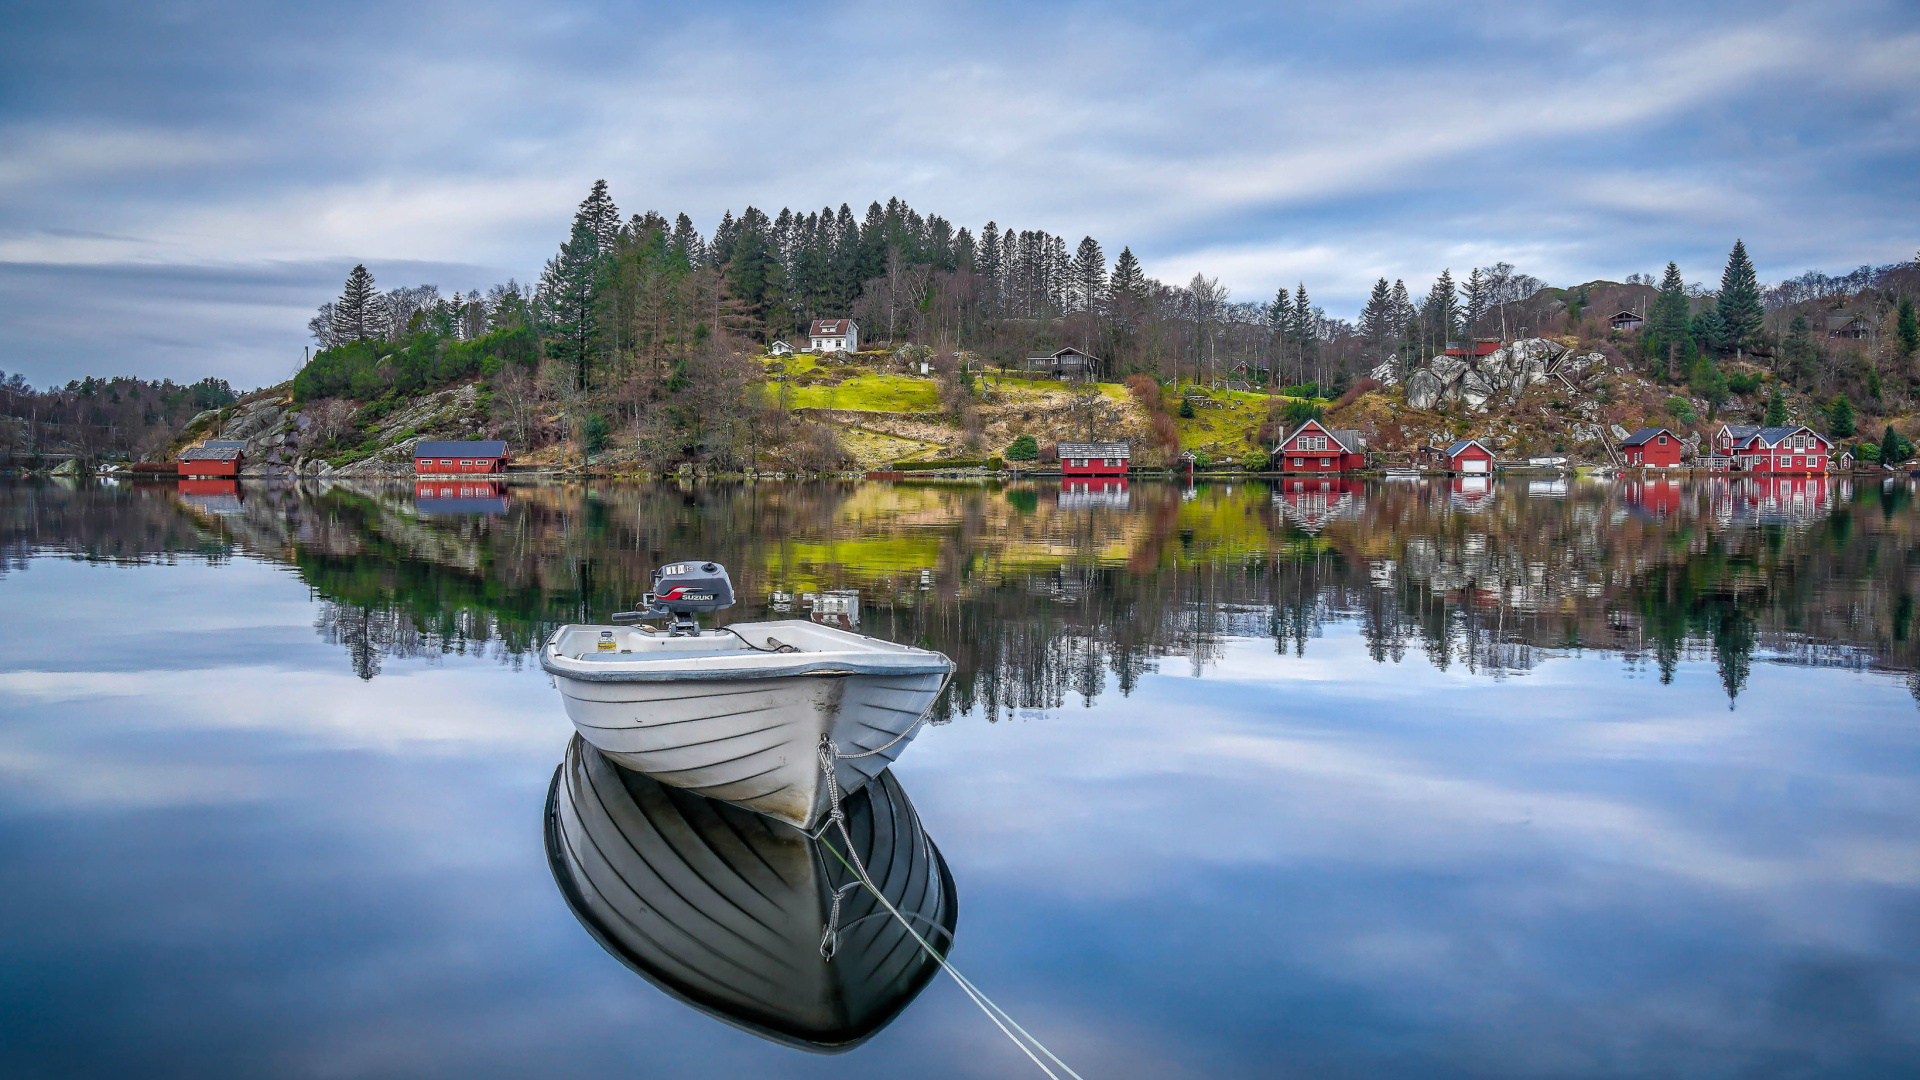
column 1040, row 602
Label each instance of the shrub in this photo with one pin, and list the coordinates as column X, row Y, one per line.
column 1681, row 409
column 1186, row 408
column 1743, row 382
column 1202, row 459
column 994, row 464
column 934, row 466
column 1353, row 392
column 1024, row 448
column 1299, row 412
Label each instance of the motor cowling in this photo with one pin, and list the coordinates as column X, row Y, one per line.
column 687, row 587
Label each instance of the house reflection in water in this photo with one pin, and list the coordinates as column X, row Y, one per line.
column 834, row 607
column 1472, row 493
column 218, row 495
column 460, row 497
column 1776, row 500
column 1311, row 504
column 1108, row 493
column 1658, row 499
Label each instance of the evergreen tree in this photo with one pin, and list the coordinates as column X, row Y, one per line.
column 1668, row 321
column 354, row 314
column 687, row 244
column 1709, row 382
column 1306, row 328
column 1840, row 418
column 1907, row 328
column 1127, row 288
column 1776, row 408
column 1441, row 312
column 1797, row 354
column 1406, row 325
column 1089, row 274
column 1376, row 320
column 990, row 267
column 602, row 216
column 1473, row 305
column 1739, row 301
column 567, row 299
column 1890, row 448
column 1709, row 330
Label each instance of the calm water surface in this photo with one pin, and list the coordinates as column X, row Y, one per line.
column 1404, row 779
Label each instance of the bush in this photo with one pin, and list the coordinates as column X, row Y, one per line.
column 994, row 464
column 1024, row 448
column 1186, row 408
column 1682, row 410
column 1743, row 383
column 1202, row 459
column 935, row 466
column 1299, row 412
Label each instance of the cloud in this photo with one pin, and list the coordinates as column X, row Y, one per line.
column 1265, row 145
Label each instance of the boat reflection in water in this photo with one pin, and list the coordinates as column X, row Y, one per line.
column 725, row 909
column 460, row 497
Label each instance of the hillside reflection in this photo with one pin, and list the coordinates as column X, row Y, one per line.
column 1043, row 595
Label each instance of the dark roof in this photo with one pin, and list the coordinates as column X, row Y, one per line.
column 1840, row 322
column 1454, row 450
column 1348, row 438
column 1093, row 449
column 212, row 453
column 1774, row 436
column 1740, row 432
column 490, row 448
column 237, row 444
column 1624, row 313
column 1058, row 354
column 1643, row 436
column 824, row 327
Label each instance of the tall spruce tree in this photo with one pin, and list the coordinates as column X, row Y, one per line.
column 1739, row 301
column 1376, row 321
column 1840, row 418
column 1473, row 304
column 1089, row 274
column 1441, row 312
column 1907, row 328
column 1776, row 408
column 603, row 218
column 1890, row 448
column 354, row 315
column 1668, row 321
column 567, row 299
column 1127, row 288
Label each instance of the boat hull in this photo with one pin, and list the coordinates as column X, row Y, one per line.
column 754, row 742
column 725, row 910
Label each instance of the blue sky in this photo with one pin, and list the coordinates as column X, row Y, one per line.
column 181, row 183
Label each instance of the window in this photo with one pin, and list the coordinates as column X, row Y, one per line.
column 1324, row 462
column 1663, row 440
column 1297, row 462
column 1799, row 442
column 465, row 462
column 446, row 461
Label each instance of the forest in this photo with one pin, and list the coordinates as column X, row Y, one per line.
column 120, row 418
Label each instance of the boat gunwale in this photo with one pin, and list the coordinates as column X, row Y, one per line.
column 882, row 658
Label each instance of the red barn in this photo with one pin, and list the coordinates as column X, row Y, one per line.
column 1469, row 457
column 216, row 457
column 1317, row 448
column 1094, row 458
column 439, row 458
column 1652, row 448
column 1784, row 450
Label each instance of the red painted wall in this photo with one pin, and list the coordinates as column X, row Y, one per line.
column 480, row 465
column 1471, row 453
column 209, row 468
column 1332, row 459
column 1652, row 453
column 1094, row 467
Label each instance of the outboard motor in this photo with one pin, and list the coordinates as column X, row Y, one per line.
column 681, row 589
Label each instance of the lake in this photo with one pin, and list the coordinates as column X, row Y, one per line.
column 1312, row 778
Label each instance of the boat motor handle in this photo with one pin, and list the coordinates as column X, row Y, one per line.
column 626, row 616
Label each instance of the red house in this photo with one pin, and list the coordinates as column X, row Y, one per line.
column 1469, row 457
column 1317, row 448
column 1476, row 347
column 438, row 458
column 215, row 457
column 1094, row 458
column 1652, row 448
column 1783, row 450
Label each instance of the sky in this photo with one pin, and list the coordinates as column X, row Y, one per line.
column 182, row 183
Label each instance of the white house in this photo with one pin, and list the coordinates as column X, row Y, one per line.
column 834, row 335
column 779, row 348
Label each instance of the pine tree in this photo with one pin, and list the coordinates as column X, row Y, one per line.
column 1376, row 320
column 1890, row 448
column 1127, row 288
column 1709, row 382
column 1840, row 418
column 603, row 218
column 1473, row 305
column 1739, row 301
column 1907, row 328
column 687, row 243
column 354, row 314
column 1089, row 274
column 567, row 299
column 1797, row 354
column 1406, row 326
column 1668, row 321
column 1710, row 330
column 1441, row 312
column 1306, row 328
column 1776, row 409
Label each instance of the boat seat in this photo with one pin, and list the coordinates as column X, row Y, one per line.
column 690, row 654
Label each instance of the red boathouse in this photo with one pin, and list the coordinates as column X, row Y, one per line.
column 1469, row 457
column 1317, row 448
column 1094, row 458
column 215, row 457
column 442, row 458
column 1652, row 448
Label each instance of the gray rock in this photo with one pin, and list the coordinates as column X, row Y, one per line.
column 1384, row 373
column 1619, row 432
column 1476, row 388
column 1423, row 390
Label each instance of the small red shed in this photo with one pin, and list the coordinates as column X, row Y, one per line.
column 1094, row 458
column 441, row 458
column 1652, row 448
column 1469, row 457
column 1313, row 447
column 215, row 457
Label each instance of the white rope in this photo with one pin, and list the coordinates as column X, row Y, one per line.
column 1001, row 1019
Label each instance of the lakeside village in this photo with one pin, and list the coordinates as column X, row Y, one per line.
column 814, row 344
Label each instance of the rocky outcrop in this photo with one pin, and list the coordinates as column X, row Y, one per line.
column 1504, row 373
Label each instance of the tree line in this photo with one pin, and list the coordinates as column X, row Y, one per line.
column 98, row 419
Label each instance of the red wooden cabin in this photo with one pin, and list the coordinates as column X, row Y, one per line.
column 1469, row 457
column 441, row 458
column 1317, row 448
column 215, row 457
column 1094, row 459
column 1652, row 448
column 1784, row 450
column 1477, row 347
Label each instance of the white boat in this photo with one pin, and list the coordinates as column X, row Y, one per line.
column 727, row 911
column 738, row 712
